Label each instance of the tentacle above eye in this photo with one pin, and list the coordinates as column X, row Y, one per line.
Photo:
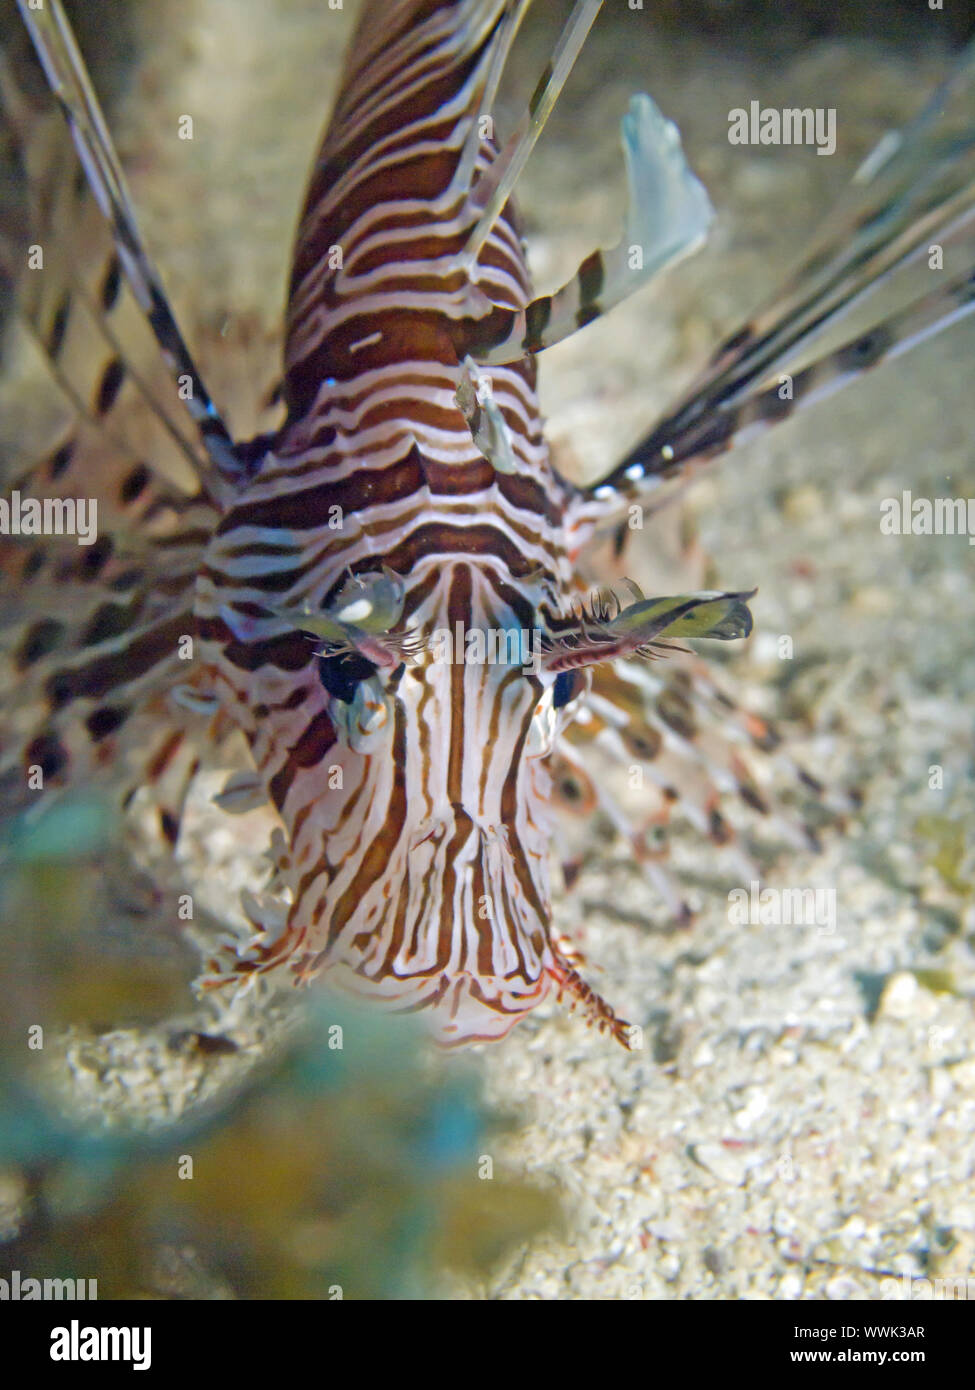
column 364, row 617
column 607, row 629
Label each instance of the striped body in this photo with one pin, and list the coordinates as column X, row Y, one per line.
column 424, row 876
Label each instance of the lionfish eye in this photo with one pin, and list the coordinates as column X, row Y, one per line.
column 342, row 673
column 568, row 684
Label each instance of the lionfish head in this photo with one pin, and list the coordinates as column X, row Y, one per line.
column 419, row 858
column 443, row 900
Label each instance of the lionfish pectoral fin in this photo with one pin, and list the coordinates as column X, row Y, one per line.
column 668, row 452
column 98, row 634
column 915, row 181
column 916, row 191
column 640, row 626
column 74, row 302
column 98, row 624
column 68, row 79
column 690, row 754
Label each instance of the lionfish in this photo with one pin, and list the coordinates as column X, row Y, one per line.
column 383, row 593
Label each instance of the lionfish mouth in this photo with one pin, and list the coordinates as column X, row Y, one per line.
column 453, row 927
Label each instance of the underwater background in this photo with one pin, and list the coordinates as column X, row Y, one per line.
column 801, row 1123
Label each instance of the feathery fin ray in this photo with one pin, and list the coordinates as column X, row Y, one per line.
column 917, row 187
column 68, row 79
